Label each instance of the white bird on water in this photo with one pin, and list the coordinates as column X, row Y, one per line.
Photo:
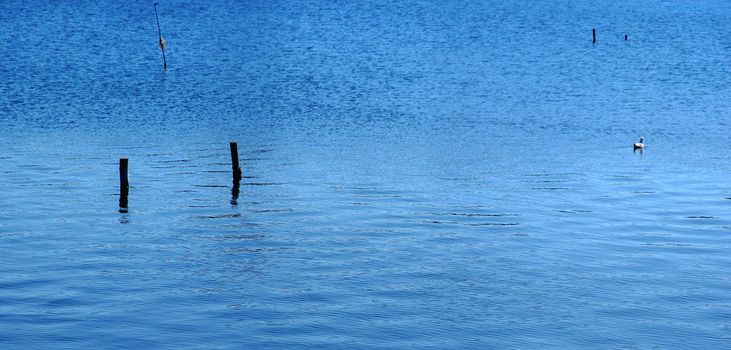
column 640, row 145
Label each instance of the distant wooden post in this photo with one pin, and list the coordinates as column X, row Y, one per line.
column 593, row 35
column 123, row 184
column 235, row 161
column 625, row 37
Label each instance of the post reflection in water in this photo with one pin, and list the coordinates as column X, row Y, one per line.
column 123, row 200
column 235, row 193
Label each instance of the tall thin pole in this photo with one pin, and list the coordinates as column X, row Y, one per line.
column 161, row 40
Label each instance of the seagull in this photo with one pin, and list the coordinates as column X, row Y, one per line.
column 640, row 145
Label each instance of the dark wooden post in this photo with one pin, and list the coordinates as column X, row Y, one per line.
column 625, row 37
column 593, row 35
column 123, row 184
column 123, row 179
column 235, row 161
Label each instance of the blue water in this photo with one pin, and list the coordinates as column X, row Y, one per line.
column 418, row 174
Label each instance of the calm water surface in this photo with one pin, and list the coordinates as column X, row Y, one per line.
column 418, row 174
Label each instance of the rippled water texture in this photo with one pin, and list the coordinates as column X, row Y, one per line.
column 417, row 174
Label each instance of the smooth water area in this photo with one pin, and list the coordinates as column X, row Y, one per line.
column 417, row 174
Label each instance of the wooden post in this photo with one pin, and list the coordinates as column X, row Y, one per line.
column 123, row 184
column 625, row 37
column 235, row 161
column 593, row 35
column 123, row 179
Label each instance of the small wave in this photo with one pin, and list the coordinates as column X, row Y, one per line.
column 273, row 210
column 437, row 222
column 237, row 237
column 220, row 216
column 552, row 174
column 544, row 181
column 378, row 196
column 494, row 224
column 476, row 214
column 671, row 245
